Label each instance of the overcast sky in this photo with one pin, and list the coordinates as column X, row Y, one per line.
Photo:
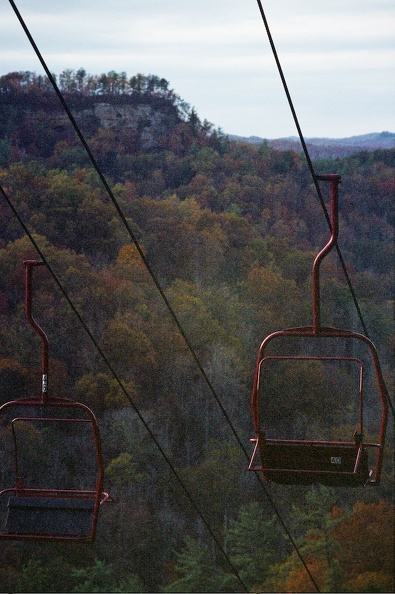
column 338, row 56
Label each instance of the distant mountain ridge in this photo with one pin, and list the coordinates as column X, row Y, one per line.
column 328, row 147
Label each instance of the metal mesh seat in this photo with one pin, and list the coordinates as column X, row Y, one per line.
column 51, row 516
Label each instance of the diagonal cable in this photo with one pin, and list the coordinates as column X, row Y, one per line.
column 310, row 164
column 154, row 278
column 314, row 176
column 145, row 423
column 122, row 216
column 121, row 385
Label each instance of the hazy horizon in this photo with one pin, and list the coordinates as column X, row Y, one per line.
column 338, row 59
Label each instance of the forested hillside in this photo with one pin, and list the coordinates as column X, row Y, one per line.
column 230, row 231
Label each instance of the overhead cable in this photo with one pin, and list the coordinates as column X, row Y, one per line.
column 122, row 386
column 134, row 239
column 166, row 301
column 315, row 177
column 154, row 278
column 310, row 164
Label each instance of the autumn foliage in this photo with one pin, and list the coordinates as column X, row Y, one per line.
column 230, row 231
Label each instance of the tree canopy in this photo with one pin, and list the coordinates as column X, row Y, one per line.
column 230, row 231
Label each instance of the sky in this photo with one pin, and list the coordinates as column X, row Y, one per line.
column 338, row 57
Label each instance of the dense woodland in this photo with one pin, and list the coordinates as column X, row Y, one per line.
column 230, row 231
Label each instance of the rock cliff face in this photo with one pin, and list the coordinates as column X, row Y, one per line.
column 126, row 115
column 150, row 122
column 147, row 114
column 144, row 120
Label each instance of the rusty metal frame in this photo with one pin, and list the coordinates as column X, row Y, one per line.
column 44, row 402
column 316, row 330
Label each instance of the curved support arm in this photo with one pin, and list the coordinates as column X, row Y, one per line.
column 334, row 180
column 29, row 264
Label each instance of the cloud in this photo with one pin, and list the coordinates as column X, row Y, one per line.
column 337, row 56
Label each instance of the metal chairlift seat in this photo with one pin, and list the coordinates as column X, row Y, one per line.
column 50, row 516
column 48, row 512
column 304, row 461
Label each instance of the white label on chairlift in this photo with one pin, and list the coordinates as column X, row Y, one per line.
column 336, row 460
column 44, row 383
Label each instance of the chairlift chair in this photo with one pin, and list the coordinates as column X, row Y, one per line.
column 50, row 512
column 351, row 463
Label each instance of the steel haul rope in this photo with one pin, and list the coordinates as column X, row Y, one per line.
column 121, row 385
column 155, row 280
column 314, row 176
column 135, row 241
column 309, row 162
